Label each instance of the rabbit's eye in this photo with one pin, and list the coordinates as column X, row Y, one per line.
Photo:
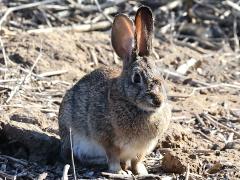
column 136, row 78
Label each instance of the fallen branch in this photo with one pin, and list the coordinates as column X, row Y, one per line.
column 91, row 8
column 177, row 76
column 65, row 172
column 25, row 78
column 214, row 86
column 232, row 5
column 78, row 28
column 25, row 6
column 7, row 176
column 72, row 156
column 53, row 73
column 125, row 177
column 221, row 125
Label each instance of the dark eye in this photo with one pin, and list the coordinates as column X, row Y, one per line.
column 136, row 78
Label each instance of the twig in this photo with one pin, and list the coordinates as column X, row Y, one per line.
column 171, row 5
column 79, row 28
column 4, row 53
column 53, row 73
column 45, row 17
column 15, row 160
column 232, row 4
column 177, row 76
column 94, row 56
column 7, row 176
column 204, row 135
column 110, row 10
column 8, row 80
column 116, row 176
column 25, row 78
column 72, row 157
column 91, row 8
column 65, row 172
column 125, row 177
column 221, row 125
column 25, row 6
column 214, row 86
column 236, row 39
column 187, row 172
column 42, row 176
column 199, row 119
column 103, row 13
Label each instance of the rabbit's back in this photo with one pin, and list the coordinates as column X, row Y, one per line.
column 86, row 97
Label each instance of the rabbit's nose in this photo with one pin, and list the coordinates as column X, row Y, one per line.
column 155, row 100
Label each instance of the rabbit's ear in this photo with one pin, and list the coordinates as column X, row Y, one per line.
column 144, row 31
column 123, row 36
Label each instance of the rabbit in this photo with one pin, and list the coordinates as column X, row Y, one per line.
column 117, row 115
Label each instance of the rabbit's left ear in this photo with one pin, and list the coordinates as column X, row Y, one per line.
column 144, row 31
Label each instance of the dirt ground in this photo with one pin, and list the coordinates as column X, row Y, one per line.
column 203, row 140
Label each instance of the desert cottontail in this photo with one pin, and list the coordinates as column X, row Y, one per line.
column 117, row 115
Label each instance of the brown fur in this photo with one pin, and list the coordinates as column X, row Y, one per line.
column 123, row 117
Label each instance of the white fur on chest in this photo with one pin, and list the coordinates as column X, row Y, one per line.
column 85, row 147
column 134, row 148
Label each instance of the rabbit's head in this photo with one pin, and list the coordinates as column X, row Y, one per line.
column 141, row 81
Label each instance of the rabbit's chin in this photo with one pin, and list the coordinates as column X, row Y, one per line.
column 149, row 108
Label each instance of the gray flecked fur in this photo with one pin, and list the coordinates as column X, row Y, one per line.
column 107, row 108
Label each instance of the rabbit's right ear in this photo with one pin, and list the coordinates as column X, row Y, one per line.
column 123, row 36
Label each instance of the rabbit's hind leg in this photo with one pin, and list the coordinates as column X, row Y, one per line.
column 88, row 151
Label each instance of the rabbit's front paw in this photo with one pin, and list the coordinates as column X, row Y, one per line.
column 139, row 169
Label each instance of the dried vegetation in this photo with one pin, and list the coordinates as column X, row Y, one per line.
column 46, row 46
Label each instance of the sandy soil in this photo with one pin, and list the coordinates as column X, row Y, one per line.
column 203, row 138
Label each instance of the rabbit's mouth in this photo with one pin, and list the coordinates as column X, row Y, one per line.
column 150, row 104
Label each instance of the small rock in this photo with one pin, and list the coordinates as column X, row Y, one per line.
column 235, row 113
column 172, row 164
column 193, row 156
column 217, row 153
column 215, row 147
column 215, row 168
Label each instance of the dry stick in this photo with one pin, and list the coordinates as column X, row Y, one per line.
column 53, row 73
column 42, row 176
column 40, row 108
column 125, row 177
column 4, row 53
column 7, row 176
column 187, row 172
column 199, row 119
column 103, row 13
column 71, row 144
column 45, row 17
column 171, row 5
column 9, row 158
column 214, row 86
column 110, row 10
column 25, row 6
column 8, row 80
column 235, row 35
column 221, row 125
column 79, row 28
column 91, row 8
column 204, row 135
column 4, row 56
column 65, row 172
column 25, row 78
column 115, row 176
column 177, row 76
column 233, row 5
column 94, row 56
